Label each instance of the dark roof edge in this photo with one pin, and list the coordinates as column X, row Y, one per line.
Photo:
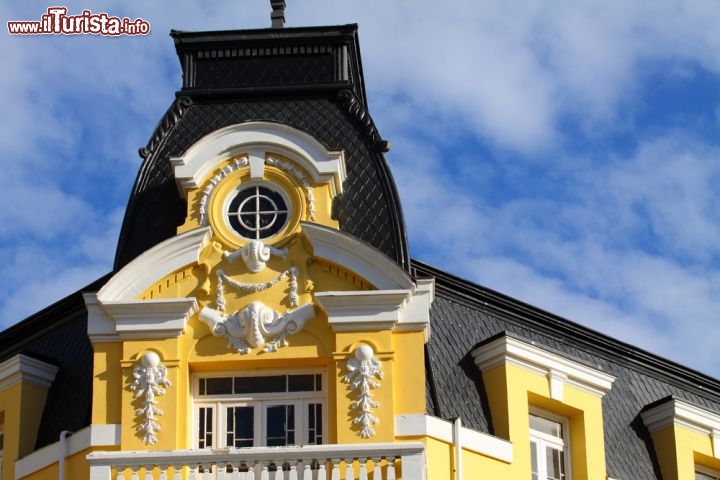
column 18, row 335
column 616, row 351
column 214, row 36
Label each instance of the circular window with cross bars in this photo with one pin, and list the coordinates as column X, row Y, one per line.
column 257, row 212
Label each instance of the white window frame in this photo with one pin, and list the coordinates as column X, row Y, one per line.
column 544, row 440
column 260, row 402
column 707, row 471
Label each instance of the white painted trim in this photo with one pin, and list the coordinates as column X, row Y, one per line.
column 675, row 412
column 418, row 425
column 198, row 161
column 91, row 436
column 357, row 256
column 157, row 262
column 22, row 368
column 560, row 371
column 160, row 318
column 371, row 310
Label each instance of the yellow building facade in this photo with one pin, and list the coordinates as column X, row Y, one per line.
column 264, row 319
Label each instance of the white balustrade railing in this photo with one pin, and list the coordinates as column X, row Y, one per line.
column 376, row 461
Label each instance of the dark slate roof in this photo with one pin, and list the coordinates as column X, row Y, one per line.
column 58, row 335
column 219, row 90
column 465, row 315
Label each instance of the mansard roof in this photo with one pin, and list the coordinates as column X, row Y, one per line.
column 465, row 315
column 306, row 78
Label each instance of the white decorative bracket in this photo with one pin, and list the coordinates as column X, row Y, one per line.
column 255, row 254
column 364, row 370
column 257, row 325
column 150, row 378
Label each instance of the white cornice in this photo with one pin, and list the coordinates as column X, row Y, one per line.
column 154, row 264
column 92, row 436
column 356, row 256
column 364, row 310
column 325, row 166
column 559, row 370
column 418, row 425
column 161, row 318
column 22, row 368
column 675, row 412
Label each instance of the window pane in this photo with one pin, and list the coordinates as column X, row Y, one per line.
column 280, row 425
column 218, row 386
column 261, row 384
column 205, row 427
column 240, row 427
column 315, row 428
column 544, row 425
column 555, row 464
column 703, row 476
column 301, row 383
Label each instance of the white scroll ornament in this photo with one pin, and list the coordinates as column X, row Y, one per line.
column 149, row 379
column 256, row 325
column 256, row 254
column 363, row 370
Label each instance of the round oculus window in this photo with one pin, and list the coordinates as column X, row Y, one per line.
column 257, row 212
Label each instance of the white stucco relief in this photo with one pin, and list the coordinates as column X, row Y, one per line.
column 150, row 378
column 364, row 373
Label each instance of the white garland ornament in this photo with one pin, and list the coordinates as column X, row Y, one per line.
column 363, row 370
column 149, row 379
column 213, row 182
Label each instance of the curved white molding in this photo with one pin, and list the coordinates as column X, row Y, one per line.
column 150, row 378
column 559, row 370
column 357, row 256
column 154, row 264
column 364, row 373
column 259, row 138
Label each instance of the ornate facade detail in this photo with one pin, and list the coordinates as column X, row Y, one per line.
column 167, row 123
column 222, row 280
column 301, row 178
column 150, row 378
column 257, row 325
column 233, row 166
column 364, row 371
column 255, row 254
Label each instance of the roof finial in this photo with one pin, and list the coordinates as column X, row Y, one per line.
column 278, row 13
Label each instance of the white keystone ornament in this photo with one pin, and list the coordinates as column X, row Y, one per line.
column 364, row 371
column 256, row 254
column 149, row 379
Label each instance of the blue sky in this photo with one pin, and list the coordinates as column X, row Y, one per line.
column 565, row 153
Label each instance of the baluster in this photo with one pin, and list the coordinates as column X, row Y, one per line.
column 390, row 468
column 220, row 470
column 163, row 472
column 321, row 473
column 377, row 472
column 293, row 472
column 194, row 472
column 134, row 470
column 207, row 470
column 363, row 469
column 234, row 472
column 349, row 474
column 265, row 473
column 120, row 472
column 177, row 469
column 148, row 472
column 307, row 473
column 250, row 475
column 335, row 475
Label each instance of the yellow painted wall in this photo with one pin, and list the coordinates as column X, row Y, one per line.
column 513, row 390
column 680, row 449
